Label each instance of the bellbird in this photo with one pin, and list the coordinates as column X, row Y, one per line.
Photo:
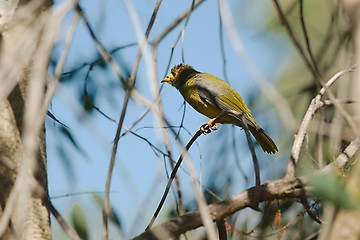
column 216, row 99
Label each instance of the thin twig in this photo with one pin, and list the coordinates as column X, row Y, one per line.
column 344, row 157
column 54, row 80
column 181, row 36
column 266, row 88
column 171, row 179
column 298, row 46
column 222, row 44
column 307, row 41
column 314, row 105
column 114, row 66
column 182, row 33
column 176, row 22
column 98, row 61
column 43, row 36
column 161, row 118
column 204, row 212
column 131, row 83
column 24, row 27
column 70, row 232
column 100, row 46
column 173, row 174
column 161, row 114
column 304, row 202
column 237, row 158
column 252, row 150
column 294, row 39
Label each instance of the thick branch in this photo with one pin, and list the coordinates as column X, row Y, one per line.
column 274, row 190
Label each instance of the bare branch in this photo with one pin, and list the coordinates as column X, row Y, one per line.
column 344, row 157
column 70, row 232
column 294, row 39
column 279, row 189
column 131, row 83
column 176, row 22
column 171, row 179
column 313, row 107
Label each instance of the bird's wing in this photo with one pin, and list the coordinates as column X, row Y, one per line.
column 220, row 95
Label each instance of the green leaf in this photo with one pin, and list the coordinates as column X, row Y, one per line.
column 98, row 199
column 329, row 188
column 113, row 216
column 68, row 134
column 79, row 221
column 87, row 101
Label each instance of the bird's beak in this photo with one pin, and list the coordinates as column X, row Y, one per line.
column 168, row 78
column 165, row 80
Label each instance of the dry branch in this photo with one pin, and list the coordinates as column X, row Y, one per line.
column 280, row 189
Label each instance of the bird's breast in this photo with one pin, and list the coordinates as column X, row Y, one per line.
column 192, row 96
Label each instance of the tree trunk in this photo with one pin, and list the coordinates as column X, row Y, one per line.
column 21, row 216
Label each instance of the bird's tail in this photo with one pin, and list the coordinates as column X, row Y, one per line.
column 265, row 141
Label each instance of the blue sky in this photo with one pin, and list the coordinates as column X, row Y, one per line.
column 139, row 175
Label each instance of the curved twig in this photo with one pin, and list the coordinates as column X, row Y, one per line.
column 309, row 115
column 172, row 177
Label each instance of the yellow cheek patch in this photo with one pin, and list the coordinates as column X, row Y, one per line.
column 168, row 78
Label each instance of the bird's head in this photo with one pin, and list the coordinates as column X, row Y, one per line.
column 179, row 74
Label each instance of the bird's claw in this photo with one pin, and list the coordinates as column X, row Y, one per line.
column 208, row 127
column 205, row 129
column 215, row 127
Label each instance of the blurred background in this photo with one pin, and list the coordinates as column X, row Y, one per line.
column 242, row 42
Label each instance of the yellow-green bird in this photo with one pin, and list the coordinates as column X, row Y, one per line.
column 216, row 99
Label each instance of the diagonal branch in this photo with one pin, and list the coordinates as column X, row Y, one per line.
column 131, row 83
column 315, row 104
column 280, row 189
column 176, row 22
column 171, row 179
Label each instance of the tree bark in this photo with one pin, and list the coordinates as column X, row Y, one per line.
column 31, row 220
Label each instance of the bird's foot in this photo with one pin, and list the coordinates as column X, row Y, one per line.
column 209, row 126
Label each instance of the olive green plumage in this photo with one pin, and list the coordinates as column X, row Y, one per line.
column 212, row 96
